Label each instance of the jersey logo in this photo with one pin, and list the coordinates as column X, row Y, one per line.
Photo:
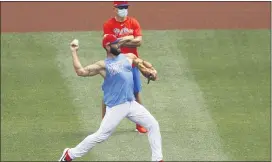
column 116, row 31
column 116, row 68
column 123, row 32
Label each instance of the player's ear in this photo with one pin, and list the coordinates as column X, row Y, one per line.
column 115, row 10
column 107, row 48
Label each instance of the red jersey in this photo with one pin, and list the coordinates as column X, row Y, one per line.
column 120, row 29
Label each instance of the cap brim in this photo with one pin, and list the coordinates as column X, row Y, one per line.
column 122, row 5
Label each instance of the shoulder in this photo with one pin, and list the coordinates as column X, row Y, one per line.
column 133, row 20
column 130, row 55
column 109, row 22
column 130, row 18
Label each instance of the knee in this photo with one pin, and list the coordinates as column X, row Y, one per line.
column 101, row 136
column 155, row 125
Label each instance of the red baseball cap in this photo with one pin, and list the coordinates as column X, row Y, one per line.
column 109, row 39
column 120, row 3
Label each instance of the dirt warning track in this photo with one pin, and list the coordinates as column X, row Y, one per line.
column 87, row 16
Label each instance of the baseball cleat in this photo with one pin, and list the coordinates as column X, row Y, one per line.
column 65, row 156
column 140, row 129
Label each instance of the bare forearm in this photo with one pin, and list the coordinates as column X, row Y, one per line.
column 76, row 62
column 132, row 44
column 143, row 69
column 147, row 64
column 125, row 39
column 136, row 42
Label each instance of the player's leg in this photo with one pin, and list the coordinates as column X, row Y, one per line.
column 139, row 114
column 137, row 90
column 112, row 118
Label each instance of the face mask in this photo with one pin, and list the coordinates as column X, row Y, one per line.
column 115, row 51
column 122, row 12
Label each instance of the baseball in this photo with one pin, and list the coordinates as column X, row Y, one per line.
column 75, row 42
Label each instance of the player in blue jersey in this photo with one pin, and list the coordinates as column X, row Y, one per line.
column 118, row 96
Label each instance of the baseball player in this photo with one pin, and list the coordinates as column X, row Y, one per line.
column 122, row 25
column 118, row 96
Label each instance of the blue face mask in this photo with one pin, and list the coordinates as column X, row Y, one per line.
column 122, row 12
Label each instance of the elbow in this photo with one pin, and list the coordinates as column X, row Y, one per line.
column 139, row 44
column 79, row 73
column 138, row 41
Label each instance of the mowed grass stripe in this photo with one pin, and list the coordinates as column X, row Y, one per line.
column 233, row 70
column 189, row 132
column 35, row 105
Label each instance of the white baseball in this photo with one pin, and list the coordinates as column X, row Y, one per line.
column 75, row 42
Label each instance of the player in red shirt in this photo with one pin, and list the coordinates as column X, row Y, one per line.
column 122, row 25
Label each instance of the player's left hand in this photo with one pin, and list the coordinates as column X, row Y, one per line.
column 152, row 75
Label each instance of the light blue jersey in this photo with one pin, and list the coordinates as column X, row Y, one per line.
column 118, row 84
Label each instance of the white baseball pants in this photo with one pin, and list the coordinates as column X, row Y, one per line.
column 134, row 112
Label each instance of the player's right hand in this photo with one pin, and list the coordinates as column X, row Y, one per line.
column 74, row 45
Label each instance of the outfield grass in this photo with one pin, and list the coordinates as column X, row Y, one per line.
column 212, row 98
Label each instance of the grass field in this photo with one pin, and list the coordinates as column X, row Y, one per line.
column 212, row 99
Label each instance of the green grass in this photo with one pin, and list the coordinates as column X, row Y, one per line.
column 211, row 99
column 235, row 77
column 36, row 110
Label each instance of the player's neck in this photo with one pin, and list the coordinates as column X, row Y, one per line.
column 120, row 19
column 110, row 56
